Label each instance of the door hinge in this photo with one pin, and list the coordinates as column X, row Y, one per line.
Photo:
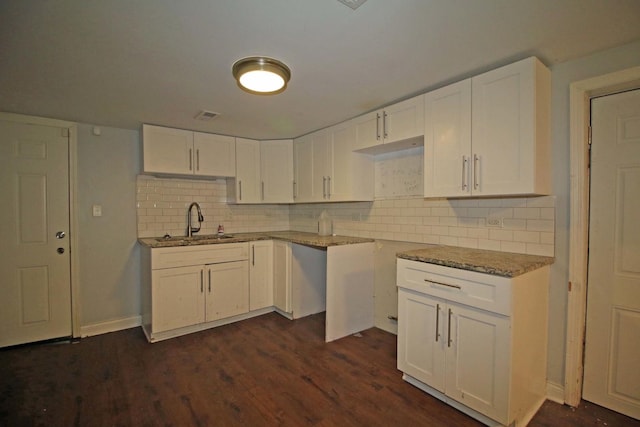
column 589, row 135
column 569, row 286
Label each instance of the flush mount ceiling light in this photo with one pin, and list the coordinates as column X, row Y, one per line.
column 261, row 75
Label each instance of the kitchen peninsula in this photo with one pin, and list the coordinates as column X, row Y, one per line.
column 192, row 284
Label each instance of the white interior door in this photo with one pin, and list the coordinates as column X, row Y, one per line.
column 35, row 283
column 612, row 343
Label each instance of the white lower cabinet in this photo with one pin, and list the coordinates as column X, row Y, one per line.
column 189, row 288
column 227, row 292
column 476, row 341
column 260, row 274
column 185, row 296
column 282, row 276
column 177, row 298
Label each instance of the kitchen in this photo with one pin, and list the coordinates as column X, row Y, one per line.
column 109, row 164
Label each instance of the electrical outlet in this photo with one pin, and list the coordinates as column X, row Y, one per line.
column 494, row 222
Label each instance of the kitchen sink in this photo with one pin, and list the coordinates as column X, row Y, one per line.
column 208, row 237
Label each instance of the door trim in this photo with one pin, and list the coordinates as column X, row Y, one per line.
column 73, row 211
column 580, row 94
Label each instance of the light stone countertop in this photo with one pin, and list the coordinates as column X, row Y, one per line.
column 303, row 238
column 504, row 264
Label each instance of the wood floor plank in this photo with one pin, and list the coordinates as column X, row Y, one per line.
column 265, row 371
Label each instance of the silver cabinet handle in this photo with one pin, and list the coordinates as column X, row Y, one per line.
column 262, row 190
column 437, row 322
column 240, row 189
column 209, row 280
column 190, row 159
column 443, row 284
column 378, row 126
column 464, row 172
column 384, row 125
column 324, row 187
column 201, row 281
column 449, row 329
column 198, row 159
column 295, row 190
column 253, row 254
column 328, row 187
column 476, row 163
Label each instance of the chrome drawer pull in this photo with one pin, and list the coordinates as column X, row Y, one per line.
column 437, row 321
column 443, row 284
column 449, row 329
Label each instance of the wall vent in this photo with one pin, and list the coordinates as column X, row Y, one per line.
column 206, row 115
column 353, row 4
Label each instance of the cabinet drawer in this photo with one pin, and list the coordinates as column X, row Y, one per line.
column 484, row 291
column 183, row 256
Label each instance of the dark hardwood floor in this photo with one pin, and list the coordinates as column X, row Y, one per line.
column 264, row 371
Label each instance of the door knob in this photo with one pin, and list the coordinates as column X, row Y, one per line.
column 60, row 235
column 60, row 250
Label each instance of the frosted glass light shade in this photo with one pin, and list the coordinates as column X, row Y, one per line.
column 261, row 75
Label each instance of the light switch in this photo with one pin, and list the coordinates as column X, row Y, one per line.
column 97, row 210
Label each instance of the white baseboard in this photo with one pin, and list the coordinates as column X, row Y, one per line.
column 110, row 326
column 555, row 392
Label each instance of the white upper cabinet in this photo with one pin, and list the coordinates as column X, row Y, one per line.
column 393, row 124
column 183, row 152
column 350, row 176
column 303, row 166
column 490, row 135
column 447, row 141
column 215, row 155
column 276, row 171
column 246, row 187
column 510, row 129
column 264, row 172
column 327, row 169
column 311, row 165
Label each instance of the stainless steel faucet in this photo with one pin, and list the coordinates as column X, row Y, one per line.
column 190, row 229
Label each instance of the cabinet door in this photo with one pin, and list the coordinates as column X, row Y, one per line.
column 505, row 133
column 227, row 290
column 261, row 275
column 276, row 168
column 447, row 141
column 167, row 150
column 478, row 361
column 403, row 120
column 215, row 155
column 368, row 130
column 248, row 186
column 177, row 298
column 282, row 275
column 340, row 152
column 303, row 166
column 321, row 167
column 420, row 338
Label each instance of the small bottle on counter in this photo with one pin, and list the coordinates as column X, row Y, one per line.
column 220, row 230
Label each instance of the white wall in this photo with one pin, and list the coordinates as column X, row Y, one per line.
column 108, row 251
column 562, row 75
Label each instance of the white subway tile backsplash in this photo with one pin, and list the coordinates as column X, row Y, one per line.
column 517, row 247
column 540, row 225
column 528, row 223
column 526, row 236
column 503, row 235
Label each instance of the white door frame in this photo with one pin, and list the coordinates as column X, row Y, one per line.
column 580, row 94
column 73, row 198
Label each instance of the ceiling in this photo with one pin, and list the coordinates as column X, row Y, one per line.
column 121, row 63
